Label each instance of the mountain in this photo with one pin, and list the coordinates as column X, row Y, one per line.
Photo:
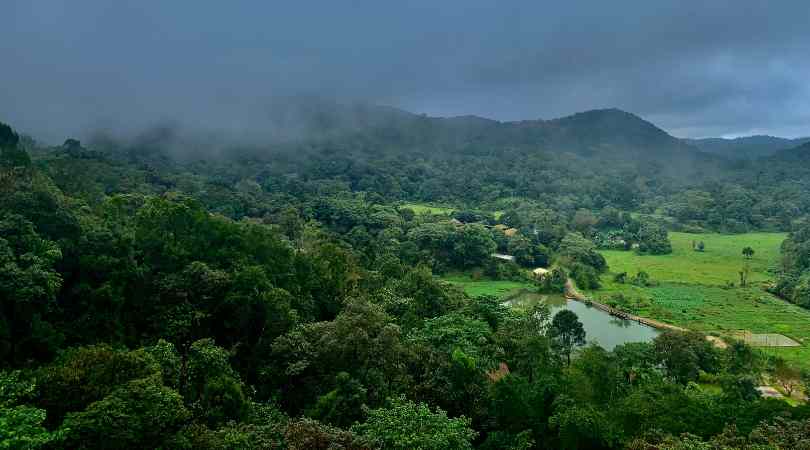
column 601, row 132
column 799, row 153
column 749, row 147
column 604, row 136
column 615, row 132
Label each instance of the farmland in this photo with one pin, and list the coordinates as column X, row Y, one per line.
column 719, row 263
column 691, row 289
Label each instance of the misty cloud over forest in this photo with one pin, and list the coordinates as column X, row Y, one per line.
column 695, row 69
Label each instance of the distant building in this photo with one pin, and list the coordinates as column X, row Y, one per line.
column 540, row 272
column 503, row 257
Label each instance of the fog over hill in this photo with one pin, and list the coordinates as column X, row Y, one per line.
column 748, row 147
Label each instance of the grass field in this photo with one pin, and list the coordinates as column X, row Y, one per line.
column 720, row 262
column 690, row 290
column 475, row 288
column 423, row 208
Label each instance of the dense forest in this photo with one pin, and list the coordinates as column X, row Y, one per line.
column 162, row 293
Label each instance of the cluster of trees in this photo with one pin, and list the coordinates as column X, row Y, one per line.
column 794, row 280
column 234, row 305
column 620, row 231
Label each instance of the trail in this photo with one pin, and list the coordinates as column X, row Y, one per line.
column 572, row 293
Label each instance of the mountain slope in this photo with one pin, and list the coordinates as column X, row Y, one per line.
column 609, row 133
column 749, row 147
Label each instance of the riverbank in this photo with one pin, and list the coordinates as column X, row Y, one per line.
column 572, row 293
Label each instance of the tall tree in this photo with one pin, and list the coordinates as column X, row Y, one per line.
column 566, row 333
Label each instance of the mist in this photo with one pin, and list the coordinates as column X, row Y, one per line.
column 728, row 68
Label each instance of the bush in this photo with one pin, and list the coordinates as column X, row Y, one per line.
column 586, row 277
column 653, row 239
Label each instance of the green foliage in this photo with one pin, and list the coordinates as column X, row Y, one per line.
column 453, row 331
column 84, row 375
column 21, row 425
column 554, row 282
column 582, row 427
column 566, row 333
column 8, row 138
column 642, row 279
column 576, row 249
column 157, row 303
column 343, row 405
column 140, row 414
column 10, row 153
column 29, row 283
column 748, row 252
column 405, row 425
column 307, row 434
column 684, row 355
column 362, row 341
column 653, row 239
column 585, row 277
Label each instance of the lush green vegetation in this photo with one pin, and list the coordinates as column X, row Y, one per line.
column 288, row 299
column 485, row 286
column 692, row 289
column 719, row 263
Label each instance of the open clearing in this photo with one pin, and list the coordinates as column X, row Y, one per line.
column 423, row 208
column 690, row 292
column 483, row 286
column 719, row 263
column 765, row 339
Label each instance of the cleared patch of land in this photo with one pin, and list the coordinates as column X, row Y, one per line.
column 765, row 339
column 691, row 290
column 424, row 208
column 475, row 287
column 720, row 262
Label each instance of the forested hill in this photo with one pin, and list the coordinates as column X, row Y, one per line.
column 748, row 147
column 607, row 133
column 590, row 160
column 286, row 296
column 795, row 154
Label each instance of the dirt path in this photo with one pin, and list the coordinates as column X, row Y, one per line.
column 572, row 293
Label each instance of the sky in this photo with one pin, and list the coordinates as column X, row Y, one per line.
column 694, row 68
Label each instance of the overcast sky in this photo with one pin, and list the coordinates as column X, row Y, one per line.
column 695, row 68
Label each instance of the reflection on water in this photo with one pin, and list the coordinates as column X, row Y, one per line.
column 607, row 330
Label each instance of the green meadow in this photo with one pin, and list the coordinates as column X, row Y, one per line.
column 720, row 262
column 423, row 208
column 691, row 289
column 483, row 286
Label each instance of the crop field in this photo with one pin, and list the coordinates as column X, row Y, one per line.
column 691, row 292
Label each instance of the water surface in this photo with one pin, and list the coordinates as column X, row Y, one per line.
column 608, row 331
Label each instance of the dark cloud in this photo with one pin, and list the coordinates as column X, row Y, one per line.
column 695, row 68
